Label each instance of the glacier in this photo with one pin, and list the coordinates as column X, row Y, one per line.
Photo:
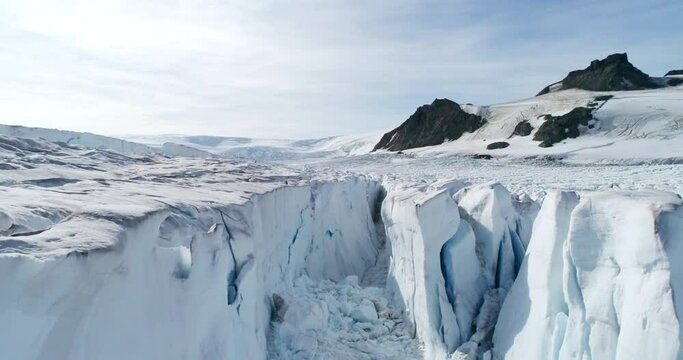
column 107, row 256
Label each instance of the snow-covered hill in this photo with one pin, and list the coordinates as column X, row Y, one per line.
column 629, row 126
column 610, row 111
column 268, row 149
column 99, row 142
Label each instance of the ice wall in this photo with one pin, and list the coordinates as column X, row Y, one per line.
column 185, row 282
column 449, row 271
column 599, row 280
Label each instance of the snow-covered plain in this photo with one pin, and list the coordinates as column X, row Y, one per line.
column 196, row 248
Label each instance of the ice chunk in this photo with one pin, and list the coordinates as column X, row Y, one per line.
column 418, row 224
column 494, row 219
column 537, row 296
column 365, row 312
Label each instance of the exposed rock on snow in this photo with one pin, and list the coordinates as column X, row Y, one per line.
column 497, row 145
column 431, row 125
column 674, row 81
column 558, row 128
column 620, row 129
column 613, row 73
column 522, row 129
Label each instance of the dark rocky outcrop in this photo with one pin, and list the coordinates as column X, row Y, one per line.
column 522, row 129
column 481, row 156
column 430, row 125
column 674, row 82
column 614, row 73
column 497, row 145
column 558, row 128
column 674, row 72
column 598, row 100
column 603, row 97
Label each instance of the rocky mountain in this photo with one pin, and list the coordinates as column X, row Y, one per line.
column 431, row 124
column 613, row 73
column 608, row 105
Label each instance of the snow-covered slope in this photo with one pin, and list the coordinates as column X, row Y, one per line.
column 86, row 140
column 93, row 141
column 631, row 126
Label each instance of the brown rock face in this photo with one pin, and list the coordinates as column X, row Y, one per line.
column 430, row 125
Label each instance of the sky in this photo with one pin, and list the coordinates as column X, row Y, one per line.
column 302, row 68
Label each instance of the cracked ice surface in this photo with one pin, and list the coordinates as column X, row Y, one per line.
column 108, row 256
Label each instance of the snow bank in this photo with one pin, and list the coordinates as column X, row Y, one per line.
column 598, row 280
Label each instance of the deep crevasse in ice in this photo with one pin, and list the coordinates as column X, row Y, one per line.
column 450, row 271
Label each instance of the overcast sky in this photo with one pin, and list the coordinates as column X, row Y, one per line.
column 302, row 69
